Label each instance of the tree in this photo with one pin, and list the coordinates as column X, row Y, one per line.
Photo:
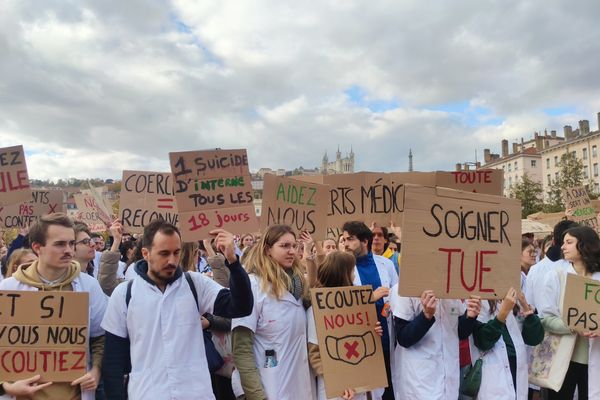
column 570, row 174
column 530, row 194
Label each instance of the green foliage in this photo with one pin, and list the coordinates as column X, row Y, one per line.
column 530, row 194
column 570, row 174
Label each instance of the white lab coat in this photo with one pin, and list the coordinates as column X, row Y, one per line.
column 279, row 325
column 98, row 301
column 312, row 338
column 168, row 359
column 536, row 277
column 550, row 306
column 430, row 368
column 496, row 379
column 389, row 278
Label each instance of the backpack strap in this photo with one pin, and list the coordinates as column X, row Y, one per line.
column 128, row 293
column 188, row 278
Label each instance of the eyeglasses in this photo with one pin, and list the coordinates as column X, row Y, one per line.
column 86, row 242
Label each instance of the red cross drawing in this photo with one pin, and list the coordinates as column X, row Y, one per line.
column 351, row 349
column 52, row 208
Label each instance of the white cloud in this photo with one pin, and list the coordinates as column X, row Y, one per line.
column 92, row 88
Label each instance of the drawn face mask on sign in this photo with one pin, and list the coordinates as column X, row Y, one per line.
column 351, row 349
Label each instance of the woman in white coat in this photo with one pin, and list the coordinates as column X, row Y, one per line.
column 337, row 270
column 427, row 334
column 269, row 346
column 581, row 247
column 499, row 336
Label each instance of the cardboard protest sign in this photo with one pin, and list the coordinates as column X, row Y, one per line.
column 351, row 352
column 365, row 196
column 213, row 190
column 24, row 214
column 43, row 333
column 484, row 181
column 301, row 205
column 146, row 196
column 581, row 304
column 14, row 181
column 90, row 213
column 576, row 200
column 459, row 244
column 101, row 203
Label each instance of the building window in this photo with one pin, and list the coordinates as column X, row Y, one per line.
column 510, row 181
column 585, row 154
column 586, row 174
column 532, row 163
column 509, row 170
column 556, row 161
column 596, row 187
column 516, row 166
column 549, row 179
column 595, row 169
column 556, row 175
column 547, row 163
column 594, row 151
column 574, row 153
column 503, row 168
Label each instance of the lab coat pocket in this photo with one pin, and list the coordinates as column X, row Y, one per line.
column 270, row 381
column 493, row 384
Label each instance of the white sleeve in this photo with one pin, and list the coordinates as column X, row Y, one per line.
column 250, row 321
column 402, row 307
column 207, row 292
column 98, row 304
column 311, row 327
column 115, row 318
column 549, row 298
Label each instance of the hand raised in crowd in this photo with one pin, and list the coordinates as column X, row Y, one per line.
column 429, row 302
column 473, row 306
column 306, row 238
column 116, row 229
column 507, row 304
column 348, row 394
column 380, row 293
column 25, row 387
column 225, row 244
column 395, row 230
column 88, row 381
column 378, row 329
column 208, row 247
column 524, row 306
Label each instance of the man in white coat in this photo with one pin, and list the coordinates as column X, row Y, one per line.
column 379, row 272
column 153, row 321
column 52, row 238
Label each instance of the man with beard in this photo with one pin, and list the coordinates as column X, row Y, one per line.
column 153, row 321
column 379, row 272
column 53, row 240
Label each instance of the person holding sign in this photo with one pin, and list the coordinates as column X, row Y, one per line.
column 428, row 331
column 503, row 340
column 337, row 270
column 378, row 272
column 537, row 273
column 269, row 346
column 581, row 248
column 153, row 322
column 52, row 238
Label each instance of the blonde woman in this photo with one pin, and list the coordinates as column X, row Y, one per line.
column 18, row 257
column 269, row 346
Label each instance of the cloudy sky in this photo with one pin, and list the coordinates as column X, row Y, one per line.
column 94, row 87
